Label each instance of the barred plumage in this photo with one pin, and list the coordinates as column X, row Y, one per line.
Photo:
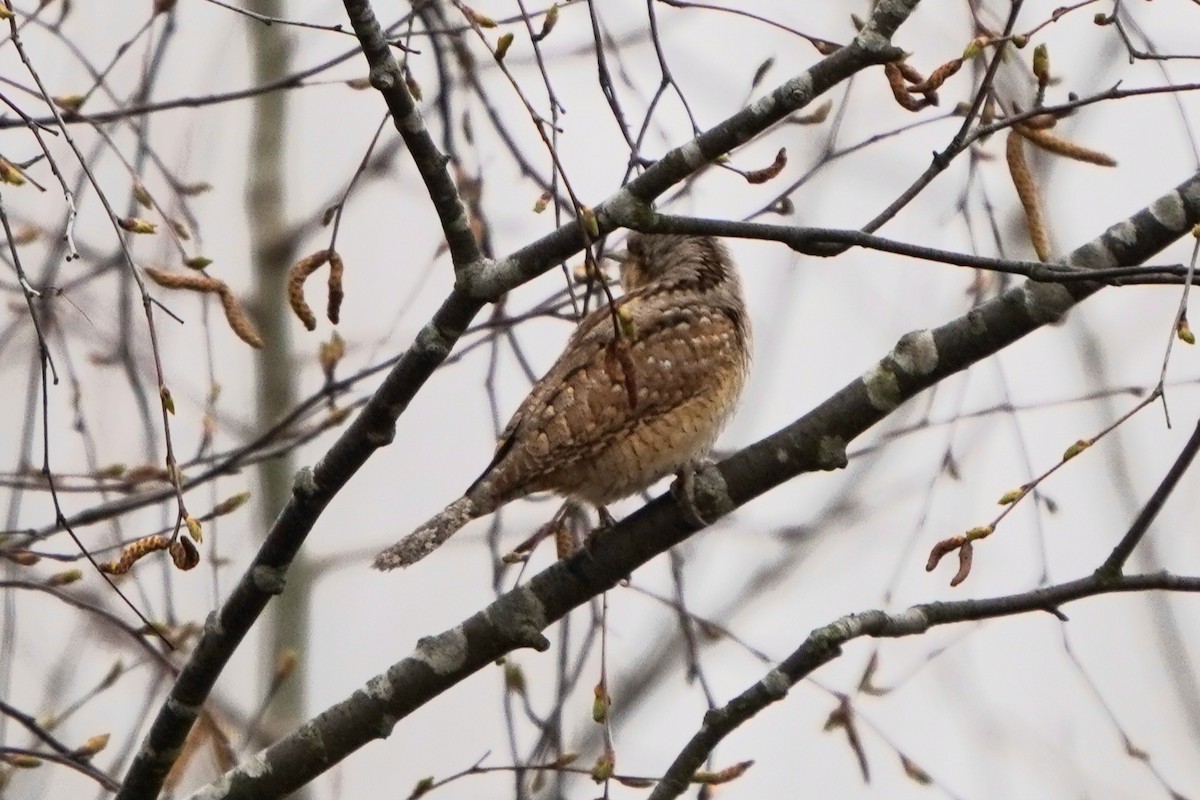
column 618, row 411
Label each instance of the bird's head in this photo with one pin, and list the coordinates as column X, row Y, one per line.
column 697, row 261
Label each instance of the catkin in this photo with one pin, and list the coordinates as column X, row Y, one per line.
column 1022, row 179
column 239, row 321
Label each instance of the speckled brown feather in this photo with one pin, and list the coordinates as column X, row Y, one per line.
column 586, row 431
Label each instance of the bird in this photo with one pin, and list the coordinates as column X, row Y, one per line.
column 642, row 389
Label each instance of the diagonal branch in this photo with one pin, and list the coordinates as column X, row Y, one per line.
column 477, row 281
column 1115, row 562
column 816, row 441
column 387, row 77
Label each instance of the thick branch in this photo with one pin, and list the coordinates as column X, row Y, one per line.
column 431, row 162
column 478, row 281
column 869, row 48
column 816, row 441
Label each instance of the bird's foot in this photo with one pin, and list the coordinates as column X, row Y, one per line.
column 575, row 532
column 684, row 490
column 607, row 520
column 607, row 523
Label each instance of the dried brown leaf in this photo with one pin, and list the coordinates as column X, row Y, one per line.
column 767, row 173
column 895, row 79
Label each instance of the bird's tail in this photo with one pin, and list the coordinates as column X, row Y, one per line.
column 430, row 536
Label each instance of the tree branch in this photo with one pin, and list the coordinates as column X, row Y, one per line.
column 824, row 644
column 827, row 242
column 477, row 281
column 431, row 162
column 1115, row 562
column 816, row 441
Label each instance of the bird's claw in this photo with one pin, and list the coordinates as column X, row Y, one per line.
column 683, row 489
column 607, row 520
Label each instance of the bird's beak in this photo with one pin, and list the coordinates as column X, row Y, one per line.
column 621, row 256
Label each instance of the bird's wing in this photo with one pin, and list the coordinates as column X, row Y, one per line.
column 604, row 383
column 575, row 355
